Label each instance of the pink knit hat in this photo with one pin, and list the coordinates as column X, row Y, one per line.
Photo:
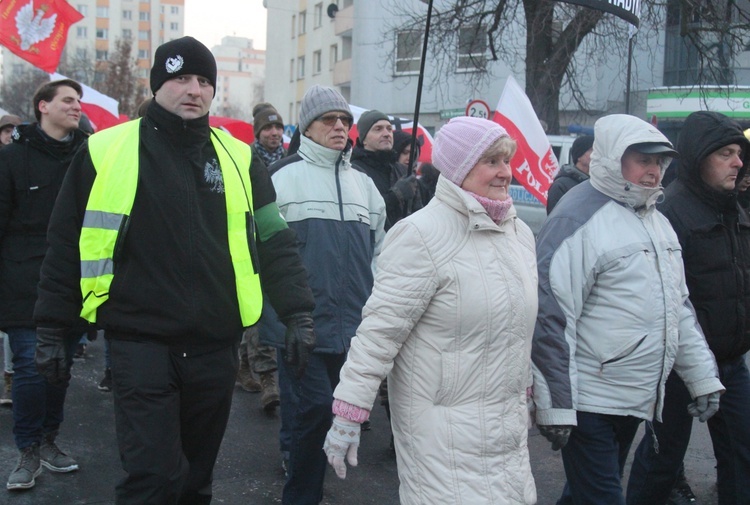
column 461, row 143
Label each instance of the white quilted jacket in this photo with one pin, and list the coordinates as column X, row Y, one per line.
column 450, row 321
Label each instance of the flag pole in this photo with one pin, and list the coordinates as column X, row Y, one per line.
column 628, row 74
column 415, row 125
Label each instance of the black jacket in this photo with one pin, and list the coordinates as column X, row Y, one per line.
column 400, row 199
column 173, row 276
column 566, row 179
column 714, row 232
column 31, row 173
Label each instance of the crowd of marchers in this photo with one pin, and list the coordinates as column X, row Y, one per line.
column 328, row 275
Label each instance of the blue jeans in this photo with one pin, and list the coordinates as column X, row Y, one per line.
column 37, row 405
column 654, row 473
column 594, row 458
column 288, row 406
column 312, row 420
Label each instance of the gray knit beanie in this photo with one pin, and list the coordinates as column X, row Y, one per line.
column 317, row 101
column 367, row 120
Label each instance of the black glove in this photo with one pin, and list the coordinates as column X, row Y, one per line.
column 557, row 434
column 299, row 341
column 405, row 188
column 51, row 360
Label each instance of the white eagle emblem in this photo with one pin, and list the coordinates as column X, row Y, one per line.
column 33, row 28
column 212, row 175
column 174, row 64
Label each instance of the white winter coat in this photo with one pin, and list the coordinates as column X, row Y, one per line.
column 451, row 318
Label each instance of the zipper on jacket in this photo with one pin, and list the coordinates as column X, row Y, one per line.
column 338, row 186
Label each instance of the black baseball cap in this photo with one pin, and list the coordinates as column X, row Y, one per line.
column 655, row 148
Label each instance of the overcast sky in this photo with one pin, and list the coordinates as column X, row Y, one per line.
column 210, row 20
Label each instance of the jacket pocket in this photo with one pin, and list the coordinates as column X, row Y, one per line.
column 447, row 378
column 623, row 351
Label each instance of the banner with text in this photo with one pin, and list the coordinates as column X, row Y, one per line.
column 629, row 10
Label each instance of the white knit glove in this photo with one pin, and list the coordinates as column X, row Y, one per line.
column 704, row 407
column 342, row 442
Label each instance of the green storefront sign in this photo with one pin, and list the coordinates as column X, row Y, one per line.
column 679, row 102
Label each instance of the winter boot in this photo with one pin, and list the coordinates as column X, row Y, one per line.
column 245, row 378
column 270, row 398
column 27, row 469
column 7, row 397
column 53, row 458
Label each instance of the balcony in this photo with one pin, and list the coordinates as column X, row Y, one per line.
column 342, row 72
column 344, row 21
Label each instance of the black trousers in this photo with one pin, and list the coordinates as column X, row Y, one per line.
column 171, row 411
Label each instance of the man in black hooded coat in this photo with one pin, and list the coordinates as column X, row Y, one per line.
column 714, row 232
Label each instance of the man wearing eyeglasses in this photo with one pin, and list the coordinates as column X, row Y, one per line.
column 339, row 217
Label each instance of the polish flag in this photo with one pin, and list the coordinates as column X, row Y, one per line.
column 534, row 164
column 102, row 110
column 36, row 30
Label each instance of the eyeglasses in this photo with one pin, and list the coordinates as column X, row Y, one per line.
column 330, row 120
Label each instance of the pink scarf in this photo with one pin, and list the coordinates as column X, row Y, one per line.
column 497, row 209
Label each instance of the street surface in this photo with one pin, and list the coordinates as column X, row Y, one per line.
column 248, row 471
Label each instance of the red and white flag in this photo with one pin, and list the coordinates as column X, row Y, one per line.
column 36, row 30
column 102, row 110
column 534, row 164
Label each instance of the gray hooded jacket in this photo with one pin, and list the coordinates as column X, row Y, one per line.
column 614, row 316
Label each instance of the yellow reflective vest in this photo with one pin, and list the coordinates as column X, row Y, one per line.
column 114, row 153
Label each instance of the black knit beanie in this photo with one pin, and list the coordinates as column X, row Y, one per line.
column 182, row 56
column 580, row 146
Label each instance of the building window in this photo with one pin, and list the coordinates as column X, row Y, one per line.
column 101, row 55
column 127, row 33
column 142, row 34
column 302, row 22
column 142, row 54
column 318, row 21
column 127, row 14
column 102, row 12
column 174, row 9
column 82, row 52
column 83, row 9
column 294, row 25
column 301, row 67
column 333, row 56
column 144, row 16
column 472, row 48
column 316, row 62
column 174, row 26
column 102, row 33
column 408, row 47
column 81, row 32
column 291, row 70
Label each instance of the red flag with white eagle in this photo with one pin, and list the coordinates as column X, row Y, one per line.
column 534, row 164
column 102, row 110
column 36, row 30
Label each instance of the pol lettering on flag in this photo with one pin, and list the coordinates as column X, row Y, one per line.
column 534, row 164
column 36, row 30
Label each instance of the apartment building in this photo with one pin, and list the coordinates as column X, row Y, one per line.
column 356, row 46
column 241, row 75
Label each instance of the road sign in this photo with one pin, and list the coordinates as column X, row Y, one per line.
column 451, row 113
column 478, row 108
